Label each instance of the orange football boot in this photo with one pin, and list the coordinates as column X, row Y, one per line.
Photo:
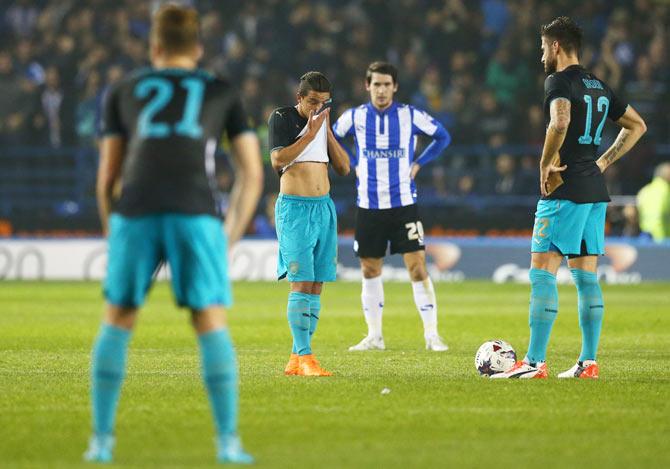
column 292, row 365
column 309, row 366
column 524, row 370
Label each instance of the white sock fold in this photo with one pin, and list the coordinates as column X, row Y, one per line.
column 372, row 297
column 426, row 304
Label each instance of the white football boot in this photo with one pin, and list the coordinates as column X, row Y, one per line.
column 585, row 369
column 435, row 343
column 369, row 343
column 100, row 449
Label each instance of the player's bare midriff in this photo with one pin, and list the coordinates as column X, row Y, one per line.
column 308, row 179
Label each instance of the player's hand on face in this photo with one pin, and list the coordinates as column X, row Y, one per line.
column 544, row 177
column 414, row 170
column 315, row 123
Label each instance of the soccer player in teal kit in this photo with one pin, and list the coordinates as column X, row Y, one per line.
column 302, row 147
column 570, row 217
column 161, row 129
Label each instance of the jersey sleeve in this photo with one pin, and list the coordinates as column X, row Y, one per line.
column 112, row 124
column 423, row 123
column 237, row 121
column 556, row 86
column 617, row 107
column 345, row 125
column 278, row 134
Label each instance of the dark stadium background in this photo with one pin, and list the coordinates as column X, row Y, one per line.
column 474, row 65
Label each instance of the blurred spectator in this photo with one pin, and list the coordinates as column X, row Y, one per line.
column 87, row 109
column 53, row 122
column 465, row 185
column 264, row 223
column 631, row 225
column 26, row 65
column 507, row 178
column 623, row 221
column 507, row 77
column 653, row 204
column 491, row 119
column 647, row 95
column 21, row 17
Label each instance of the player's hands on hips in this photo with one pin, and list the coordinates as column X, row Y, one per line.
column 602, row 164
column 544, row 177
column 414, row 170
column 315, row 123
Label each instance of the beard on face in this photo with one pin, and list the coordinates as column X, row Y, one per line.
column 550, row 65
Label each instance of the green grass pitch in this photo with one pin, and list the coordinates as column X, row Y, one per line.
column 439, row 412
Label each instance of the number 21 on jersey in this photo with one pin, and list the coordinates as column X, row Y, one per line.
column 163, row 90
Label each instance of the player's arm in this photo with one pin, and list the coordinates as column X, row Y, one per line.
column 632, row 128
column 286, row 154
column 559, row 111
column 343, row 128
column 339, row 157
column 248, row 185
column 428, row 126
column 112, row 153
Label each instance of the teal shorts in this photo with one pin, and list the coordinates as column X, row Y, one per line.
column 569, row 228
column 307, row 233
column 194, row 246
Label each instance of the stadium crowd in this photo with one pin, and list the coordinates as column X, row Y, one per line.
column 474, row 65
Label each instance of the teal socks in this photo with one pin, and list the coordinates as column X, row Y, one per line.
column 108, row 370
column 591, row 308
column 219, row 369
column 543, row 311
column 299, row 319
column 314, row 309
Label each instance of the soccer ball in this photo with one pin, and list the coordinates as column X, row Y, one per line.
column 494, row 356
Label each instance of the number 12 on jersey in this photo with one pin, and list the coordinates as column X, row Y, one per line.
column 163, row 90
column 602, row 105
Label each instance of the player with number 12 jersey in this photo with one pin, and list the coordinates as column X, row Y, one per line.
column 570, row 217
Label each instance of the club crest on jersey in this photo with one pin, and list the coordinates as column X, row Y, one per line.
column 387, row 153
column 293, row 267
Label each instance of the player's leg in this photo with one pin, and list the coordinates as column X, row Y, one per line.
column 370, row 246
column 325, row 258
column 424, row 299
column 108, row 370
column 299, row 316
column 590, row 298
column 542, row 314
column 543, row 302
column 301, row 301
column 196, row 250
column 372, row 300
column 315, row 307
column 134, row 254
column 405, row 232
column 219, row 370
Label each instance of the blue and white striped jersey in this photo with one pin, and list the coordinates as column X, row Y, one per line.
column 385, row 144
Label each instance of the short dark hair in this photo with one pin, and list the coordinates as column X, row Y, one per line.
column 566, row 32
column 384, row 68
column 176, row 28
column 313, row 81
